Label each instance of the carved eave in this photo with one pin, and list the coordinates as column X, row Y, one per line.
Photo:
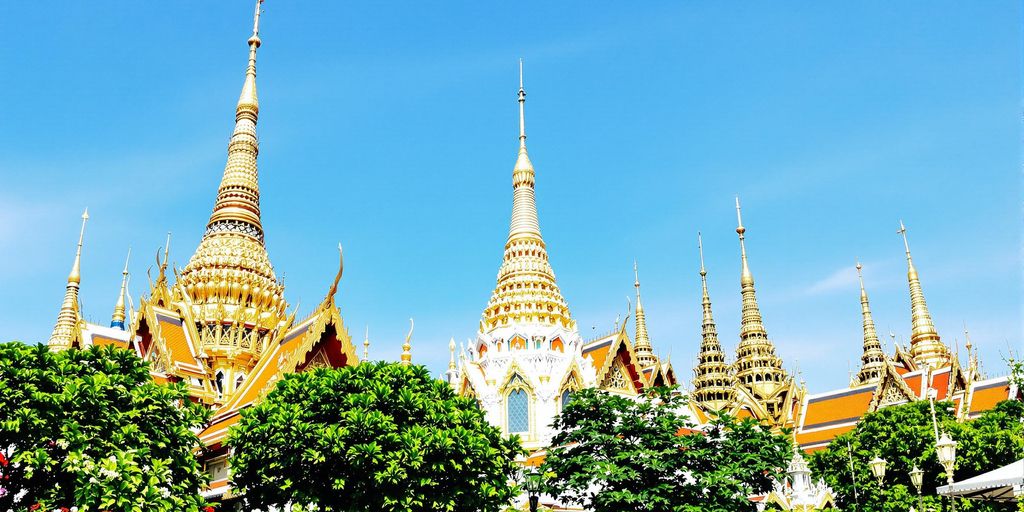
column 572, row 372
column 513, row 370
column 621, row 350
column 891, row 390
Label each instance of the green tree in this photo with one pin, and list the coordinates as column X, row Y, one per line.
column 904, row 436
column 375, row 436
column 89, row 428
column 616, row 453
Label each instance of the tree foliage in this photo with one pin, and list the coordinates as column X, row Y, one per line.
column 90, row 429
column 616, row 453
column 375, row 436
column 904, row 436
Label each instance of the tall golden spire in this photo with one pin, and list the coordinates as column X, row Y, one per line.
column 65, row 331
column 712, row 377
column 230, row 268
column 117, row 319
column 642, row 346
column 526, row 291
column 926, row 348
column 757, row 366
column 873, row 358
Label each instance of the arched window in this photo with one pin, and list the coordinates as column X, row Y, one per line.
column 219, row 382
column 566, row 397
column 239, row 380
column 518, row 405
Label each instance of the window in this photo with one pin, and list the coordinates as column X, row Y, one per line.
column 518, row 405
column 219, row 382
column 566, row 397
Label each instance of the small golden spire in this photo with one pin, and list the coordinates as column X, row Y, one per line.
column 407, row 347
column 926, row 346
column 746, row 275
column 873, row 357
column 65, row 330
column 644, row 351
column 712, row 377
column 366, row 345
column 117, row 319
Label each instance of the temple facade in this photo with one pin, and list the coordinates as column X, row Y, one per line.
column 223, row 327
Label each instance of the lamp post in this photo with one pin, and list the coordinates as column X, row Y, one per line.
column 917, row 478
column 946, row 451
column 878, row 469
column 531, row 482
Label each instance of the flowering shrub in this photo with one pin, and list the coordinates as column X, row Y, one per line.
column 88, row 430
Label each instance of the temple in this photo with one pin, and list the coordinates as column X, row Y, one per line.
column 223, row 327
column 927, row 370
column 528, row 356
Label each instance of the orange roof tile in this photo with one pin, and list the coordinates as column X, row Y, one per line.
column 102, row 341
column 177, row 343
column 913, row 380
column 844, row 407
column 218, row 430
column 940, row 381
column 989, row 393
column 810, row 441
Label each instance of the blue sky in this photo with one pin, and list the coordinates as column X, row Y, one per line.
column 391, row 127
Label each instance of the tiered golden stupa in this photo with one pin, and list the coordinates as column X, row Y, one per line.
column 223, row 327
column 763, row 384
column 714, row 386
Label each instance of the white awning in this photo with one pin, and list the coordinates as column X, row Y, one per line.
column 1003, row 484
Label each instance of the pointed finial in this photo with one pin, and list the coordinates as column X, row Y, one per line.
column 118, row 318
column 256, row 20
column 746, row 277
column 636, row 276
column 522, row 107
column 167, row 248
column 75, row 276
column 407, row 347
column 903, row 232
column 967, row 337
column 366, row 344
column 700, row 248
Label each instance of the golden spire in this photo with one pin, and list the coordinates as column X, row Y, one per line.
column 644, row 352
column 526, row 291
column 407, row 347
column 925, row 345
column 230, row 269
column 65, row 330
column 117, row 320
column 712, row 377
column 757, row 366
column 873, row 358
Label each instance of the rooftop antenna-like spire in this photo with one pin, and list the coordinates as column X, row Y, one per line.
column 522, row 108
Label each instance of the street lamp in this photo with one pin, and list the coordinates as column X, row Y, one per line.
column 917, row 478
column 878, row 469
column 946, row 451
column 531, row 482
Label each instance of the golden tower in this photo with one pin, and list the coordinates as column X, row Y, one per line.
column 758, row 369
column 65, row 331
column 873, row 359
column 230, row 282
column 713, row 382
column 642, row 342
column 526, row 291
column 926, row 348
